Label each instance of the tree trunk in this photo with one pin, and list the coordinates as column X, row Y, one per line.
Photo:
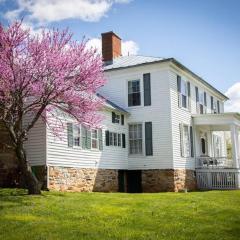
column 33, row 185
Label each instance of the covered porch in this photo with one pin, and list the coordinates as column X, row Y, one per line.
column 217, row 150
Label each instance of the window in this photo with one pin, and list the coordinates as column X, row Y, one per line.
column 115, row 118
column 184, row 98
column 114, row 139
column 94, row 139
column 76, row 135
column 135, row 139
column 81, row 136
column 110, row 138
column 134, row 94
column 201, row 102
column 186, row 141
column 184, row 92
column 119, row 140
column 216, row 145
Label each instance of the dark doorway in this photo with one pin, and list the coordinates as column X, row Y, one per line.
column 134, row 181
column 121, row 180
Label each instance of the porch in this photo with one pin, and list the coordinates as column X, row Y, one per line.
column 217, row 150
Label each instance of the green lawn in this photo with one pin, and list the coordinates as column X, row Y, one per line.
column 197, row 215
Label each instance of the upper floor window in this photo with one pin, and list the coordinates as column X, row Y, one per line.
column 184, row 92
column 134, row 93
column 135, row 139
column 201, row 102
column 215, row 105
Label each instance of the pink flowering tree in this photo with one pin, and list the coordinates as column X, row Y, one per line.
column 39, row 73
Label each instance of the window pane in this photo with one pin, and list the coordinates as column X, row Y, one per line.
column 134, row 96
column 184, row 101
column 119, row 139
column 135, row 138
column 94, row 143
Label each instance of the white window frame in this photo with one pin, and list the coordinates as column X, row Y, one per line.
column 140, row 92
column 94, row 139
column 184, row 148
column 201, row 101
column 114, row 140
column 184, row 86
column 132, row 138
column 76, row 134
column 117, row 118
column 214, row 142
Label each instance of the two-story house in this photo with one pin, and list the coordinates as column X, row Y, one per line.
column 164, row 129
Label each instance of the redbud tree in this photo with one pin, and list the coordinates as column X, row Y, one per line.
column 39, row 73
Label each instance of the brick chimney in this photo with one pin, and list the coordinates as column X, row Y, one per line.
column 111, row 46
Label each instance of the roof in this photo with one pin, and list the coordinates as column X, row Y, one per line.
column 128, row 61
column 110, row 104
column 137, row 60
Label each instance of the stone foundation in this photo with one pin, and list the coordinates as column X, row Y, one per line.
column 164, row 180
column 82, row 179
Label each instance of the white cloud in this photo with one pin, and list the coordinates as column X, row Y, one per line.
column 233, row 104
column 128, row 47
column 45, row 11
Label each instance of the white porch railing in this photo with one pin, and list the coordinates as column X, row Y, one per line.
column 218, row 178
column 214, row 162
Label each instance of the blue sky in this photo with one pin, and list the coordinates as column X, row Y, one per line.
column 203, row 35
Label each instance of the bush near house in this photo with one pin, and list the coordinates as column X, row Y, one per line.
column 54, row 215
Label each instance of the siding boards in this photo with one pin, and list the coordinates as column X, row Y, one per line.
column 111, row 157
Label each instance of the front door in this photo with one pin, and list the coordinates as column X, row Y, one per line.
column 134, row 181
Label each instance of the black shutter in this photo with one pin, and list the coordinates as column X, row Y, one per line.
column 197, row 94
column 148, row 139
column 178, row 84
column 107, row 138
column 189, row 89
column 100, row 139
column 191, row 139
column 70, row 134
column 123, row 140
column 113, row 117
column 205, row 98
column 218, row 106
column 122, row 119
column 147, row 89
column 179, row 90
column 212, row 103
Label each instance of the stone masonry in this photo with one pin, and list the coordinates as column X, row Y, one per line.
column 162, row 180
column 82, row 179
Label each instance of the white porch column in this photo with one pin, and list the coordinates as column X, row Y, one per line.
column 235, row 146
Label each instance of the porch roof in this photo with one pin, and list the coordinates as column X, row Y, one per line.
column 217, row 122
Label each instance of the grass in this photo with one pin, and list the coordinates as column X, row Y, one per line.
column 53, row 215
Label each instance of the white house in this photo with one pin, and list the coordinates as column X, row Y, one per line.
column 164, row 129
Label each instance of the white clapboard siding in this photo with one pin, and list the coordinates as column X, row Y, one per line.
column 158, row 113
column 179, row 115
column 36, row 143
column 111, row 157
